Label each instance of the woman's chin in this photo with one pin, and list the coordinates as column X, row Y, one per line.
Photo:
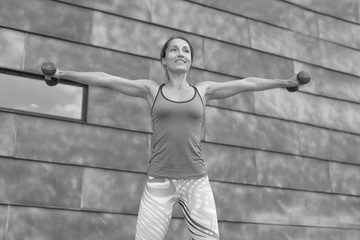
column 179, row 69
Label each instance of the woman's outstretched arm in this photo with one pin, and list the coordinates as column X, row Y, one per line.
column 218, row 90
column 138, row 88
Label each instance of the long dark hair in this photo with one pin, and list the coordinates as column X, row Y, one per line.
column 165, row 46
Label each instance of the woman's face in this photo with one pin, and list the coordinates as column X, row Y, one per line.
column 178, row 56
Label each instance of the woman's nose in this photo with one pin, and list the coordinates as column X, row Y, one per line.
column 181, row 55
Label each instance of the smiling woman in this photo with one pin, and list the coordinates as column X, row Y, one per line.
column 30, row 95
column 170, row 57
column 176, row 171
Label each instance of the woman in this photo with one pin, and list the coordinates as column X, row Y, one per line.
column 177, row 173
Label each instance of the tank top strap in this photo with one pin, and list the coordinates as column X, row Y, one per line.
column 197, row 93
column 157, row 94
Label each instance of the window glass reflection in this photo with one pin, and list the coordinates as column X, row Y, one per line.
column 33, row 95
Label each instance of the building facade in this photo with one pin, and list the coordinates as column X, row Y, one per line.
column 282, row 165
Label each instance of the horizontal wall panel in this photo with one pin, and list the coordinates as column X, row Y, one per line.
column 304, row 3
column 266, row 205
column 302, row 21
column 345, row 178
column 332, row 234
column 345, row 9
column 138, row 9
column 343, row 116
column 293, row 45
column 244, row 62
column 67, row 142
column 36, row 223
column 112, row 108
column 278, row 206
column 128, row 35
column 112, row 190
column 268, row 232
column 284, row 42
column 269, row 11
column 339, row 58
column 77, row 57
column 330, row 83
column 329, row 145
column 316, row 110
column 291, row 106
column 7, row 132
column 274, row 12
column 201, row 20
column 339, row 31
column 39, row 184
column 239, row 231
column 231, row 164
column 348, row 209
column 56, row 19
column 229, row 127
column 287, row 171
column 12, row 47
column 245, row 130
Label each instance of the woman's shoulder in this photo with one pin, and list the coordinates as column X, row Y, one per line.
column 149, row 83
column 202, row 88
column 204, row 84
column 152, row 86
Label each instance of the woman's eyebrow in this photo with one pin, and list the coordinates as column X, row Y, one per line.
column 178, row 46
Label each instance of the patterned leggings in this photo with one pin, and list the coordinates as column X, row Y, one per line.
column 194, row 196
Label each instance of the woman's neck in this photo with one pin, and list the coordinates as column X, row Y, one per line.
column 177, row 81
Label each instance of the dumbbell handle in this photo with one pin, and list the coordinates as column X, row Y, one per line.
column 49, row 70
column 303, row 78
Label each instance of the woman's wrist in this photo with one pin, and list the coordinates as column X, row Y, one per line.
column 292, row 81
column 59, row 73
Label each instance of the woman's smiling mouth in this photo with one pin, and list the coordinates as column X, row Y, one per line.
column 180, row 60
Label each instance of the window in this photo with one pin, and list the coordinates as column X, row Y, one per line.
column 33, row 95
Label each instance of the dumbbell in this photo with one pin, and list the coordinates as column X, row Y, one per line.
column 303, row 78
column 49, row 69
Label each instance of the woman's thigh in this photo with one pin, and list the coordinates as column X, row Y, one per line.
column 198, row 204
column 156, row 207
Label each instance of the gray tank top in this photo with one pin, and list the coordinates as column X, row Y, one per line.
column 176, row 145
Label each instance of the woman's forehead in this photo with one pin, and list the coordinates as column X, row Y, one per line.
column 179, row 42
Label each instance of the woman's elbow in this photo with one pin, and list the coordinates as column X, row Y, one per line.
column 102, row 79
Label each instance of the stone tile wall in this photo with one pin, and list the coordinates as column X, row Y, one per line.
column 283, row 166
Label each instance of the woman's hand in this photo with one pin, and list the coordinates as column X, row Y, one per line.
column 293, row 81
column 301, row 78
column 56, row 75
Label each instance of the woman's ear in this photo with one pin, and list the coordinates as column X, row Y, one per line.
column 163, row 62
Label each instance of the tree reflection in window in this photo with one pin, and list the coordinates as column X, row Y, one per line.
column 33, row 95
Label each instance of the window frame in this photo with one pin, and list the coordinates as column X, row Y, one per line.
column 34, row 76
